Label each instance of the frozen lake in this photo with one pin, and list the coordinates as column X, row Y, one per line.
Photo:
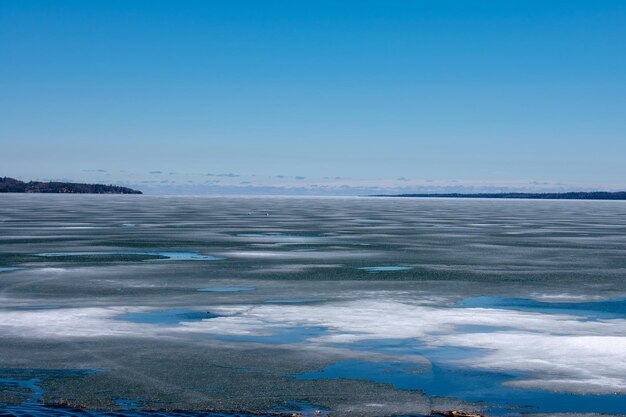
column 343, row 306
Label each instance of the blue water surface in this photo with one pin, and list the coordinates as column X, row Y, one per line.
column 606, row 309
column 413, row 347
column 166, row 317
column 170, row 255
column 448, row 380
column 386, row 268
column 282, row 335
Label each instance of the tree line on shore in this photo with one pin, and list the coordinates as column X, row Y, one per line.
column 12, row 185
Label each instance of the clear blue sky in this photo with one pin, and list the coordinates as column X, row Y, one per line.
column 443, row 92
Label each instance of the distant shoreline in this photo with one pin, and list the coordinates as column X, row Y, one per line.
column 12, row 185
column 592, row 195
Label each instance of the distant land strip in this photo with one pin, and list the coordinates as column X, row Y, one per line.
column 592, row 195
column 11, row 185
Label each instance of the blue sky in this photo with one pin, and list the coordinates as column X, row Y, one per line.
column 330, row 97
